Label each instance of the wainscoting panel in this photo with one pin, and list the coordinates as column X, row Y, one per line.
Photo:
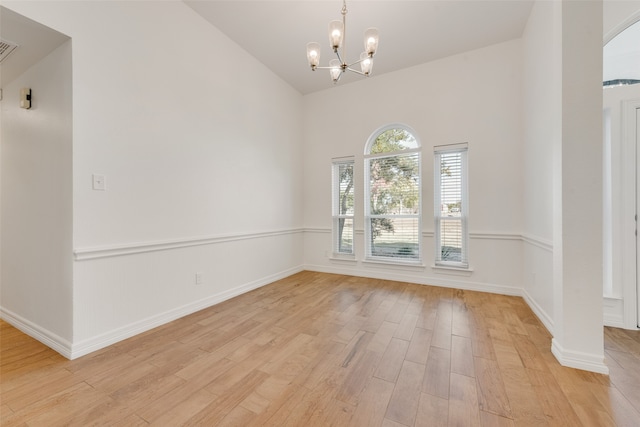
column 485, row 249
column 125, row 290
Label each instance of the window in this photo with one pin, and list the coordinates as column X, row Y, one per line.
column 451, row 205
column 392, row 202
column 343, row 206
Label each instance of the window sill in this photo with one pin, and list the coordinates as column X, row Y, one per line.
column 456, row 271
column 400, row 264
column 343, row 258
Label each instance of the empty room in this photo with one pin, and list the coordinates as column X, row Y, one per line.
column 346, row 213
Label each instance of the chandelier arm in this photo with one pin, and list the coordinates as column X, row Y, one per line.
column 357, row 62
column 356, row 71
column 340, row 57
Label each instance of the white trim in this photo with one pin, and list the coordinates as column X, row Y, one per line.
column 629, row 210
column 579, row 360
column 450, row 147
column 319, row 230
column 350, row 259
column 82, row 254
column 526, row 238
column 37, row 332
column 613, row 312
column 96, row 343
column 372, row 138
column 542, row 315
column 397, row 275
column 635, row 17
column 453, row 270
column 496, row 236
column 538, row 241
column 343, row 159
column 390, row 262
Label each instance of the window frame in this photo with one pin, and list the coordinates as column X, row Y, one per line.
column 335, row 206
column 438, row 151
column 368, row 216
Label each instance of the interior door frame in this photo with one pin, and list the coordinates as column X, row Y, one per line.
column 637, row 143
column 631, row 204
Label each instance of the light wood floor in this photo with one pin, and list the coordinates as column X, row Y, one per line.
column 321, row 349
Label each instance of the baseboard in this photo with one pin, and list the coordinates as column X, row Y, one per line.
column 542, row 315
column 75, row 350
column 613, row 312
column 398, row 275
column 96, row 343
column 578, row 360
column 37, row 332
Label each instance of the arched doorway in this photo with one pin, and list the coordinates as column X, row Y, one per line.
column 621, row 98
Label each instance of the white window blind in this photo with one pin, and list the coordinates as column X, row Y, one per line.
column 343, row 206
column 451, row 205
column 393, row 205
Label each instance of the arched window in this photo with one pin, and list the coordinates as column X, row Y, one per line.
column 392, row 195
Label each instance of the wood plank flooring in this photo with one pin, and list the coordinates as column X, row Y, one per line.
column 318, row 349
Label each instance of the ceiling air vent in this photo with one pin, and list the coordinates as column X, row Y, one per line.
column 6, row 47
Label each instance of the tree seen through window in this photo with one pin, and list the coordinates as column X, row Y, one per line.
column 393, row 193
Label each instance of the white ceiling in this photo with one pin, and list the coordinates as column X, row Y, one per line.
column 34, row 40
column 412, row 32
column 621, row 57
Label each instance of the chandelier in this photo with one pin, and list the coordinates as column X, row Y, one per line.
column 337, row 40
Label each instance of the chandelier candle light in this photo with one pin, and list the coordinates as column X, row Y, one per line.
column 337, row 40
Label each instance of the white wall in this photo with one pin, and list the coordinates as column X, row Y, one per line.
column 200, row 145
column 542, row 131
column 36, row 257
column 578, row 337
column 474, row 97
column 563, row 177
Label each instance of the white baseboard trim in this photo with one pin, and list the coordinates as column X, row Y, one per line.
column 37, row 332
column 613, row 312
column 96, row 343
column 579, row 360
column 75, row 350
column 542, row 315
column 423, row 280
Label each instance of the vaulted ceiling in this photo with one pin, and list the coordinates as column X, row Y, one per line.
column 411, row 32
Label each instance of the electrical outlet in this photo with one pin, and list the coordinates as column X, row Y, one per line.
column 198, row 278
column 99, row 183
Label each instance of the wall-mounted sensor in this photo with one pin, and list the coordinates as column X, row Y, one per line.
column 25, row 98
